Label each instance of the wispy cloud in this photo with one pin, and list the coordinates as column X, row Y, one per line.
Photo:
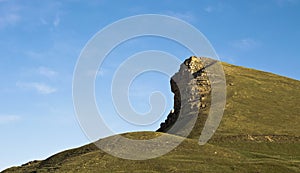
column 9, row 14
column 187, row 16
column 208, row 9
column 47, row 72
column 46, row 14
column 56, row 21
column 4, row 119
column 39, row 87
column 9, row 19
column 217, row 7
column 245, row 44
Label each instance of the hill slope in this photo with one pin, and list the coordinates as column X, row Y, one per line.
column 259, row 132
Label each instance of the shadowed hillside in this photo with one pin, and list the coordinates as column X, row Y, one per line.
column 259, row 132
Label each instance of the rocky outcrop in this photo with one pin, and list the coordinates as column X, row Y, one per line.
column 191, row 88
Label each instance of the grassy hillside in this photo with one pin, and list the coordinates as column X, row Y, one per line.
column 259, row 132
column 260, row 103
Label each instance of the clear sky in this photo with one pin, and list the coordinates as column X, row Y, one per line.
column 40, row 42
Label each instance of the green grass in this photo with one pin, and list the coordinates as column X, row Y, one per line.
column 260, row 103
column 259, row 132
column 227, row 156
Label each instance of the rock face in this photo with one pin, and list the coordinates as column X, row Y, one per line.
column 191, row 88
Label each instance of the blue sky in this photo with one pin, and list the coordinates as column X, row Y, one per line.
column 40, row 42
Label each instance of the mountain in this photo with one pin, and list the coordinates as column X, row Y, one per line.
column 259, row 131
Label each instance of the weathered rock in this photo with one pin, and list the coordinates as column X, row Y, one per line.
column 191, row 88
